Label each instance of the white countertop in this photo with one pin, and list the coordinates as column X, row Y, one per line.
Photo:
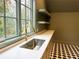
column 21, row 53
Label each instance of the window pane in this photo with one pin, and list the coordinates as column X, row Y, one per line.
column 10, row 8
column 1, row 7
column 10, row 27
column 22, row 12
column 28, row 14
column 28, row 27
column 1, row 29
column 29, row 20
column 23, row 2
column 28, row 3
column 34, row 18
column 23, row 30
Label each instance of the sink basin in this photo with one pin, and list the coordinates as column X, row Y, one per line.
column 34, row 44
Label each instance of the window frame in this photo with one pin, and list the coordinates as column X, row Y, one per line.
column 4, row 16
column 18, row 20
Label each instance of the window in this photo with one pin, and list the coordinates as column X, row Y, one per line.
column 1, row 29
column 16, row 19
column 7, row 19
column 23, row 20
column 1, row 20
column 10, row 18
column 27, row 16
column 10, row 27
column 10, row 8
column 29, row 20
column 1, row 7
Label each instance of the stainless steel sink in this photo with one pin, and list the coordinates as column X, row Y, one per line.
column 34, row 44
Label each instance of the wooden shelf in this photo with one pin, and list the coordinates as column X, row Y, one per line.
column 43, row 11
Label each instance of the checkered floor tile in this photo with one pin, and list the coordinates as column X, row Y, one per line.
column 64, row 51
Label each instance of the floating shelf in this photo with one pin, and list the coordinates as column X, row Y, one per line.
column 44, row 11
column 43, row 22
column 43, row 14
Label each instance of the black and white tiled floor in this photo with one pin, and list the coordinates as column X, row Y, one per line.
column 64, row 51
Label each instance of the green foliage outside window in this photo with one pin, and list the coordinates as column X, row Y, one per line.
column 12, row 26
column 1, row 6
column 1, row 27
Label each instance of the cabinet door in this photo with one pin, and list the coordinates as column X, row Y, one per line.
column 46, row 54
column 49, row 49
